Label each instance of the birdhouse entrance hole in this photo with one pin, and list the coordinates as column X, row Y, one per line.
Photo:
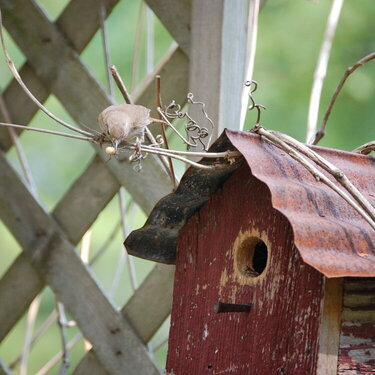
column 251, row 255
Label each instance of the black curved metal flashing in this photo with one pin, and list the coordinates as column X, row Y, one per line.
column 157, row 239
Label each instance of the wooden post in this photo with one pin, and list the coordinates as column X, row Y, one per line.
column 218, row 58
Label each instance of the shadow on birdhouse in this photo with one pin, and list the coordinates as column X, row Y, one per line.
column 274, row 270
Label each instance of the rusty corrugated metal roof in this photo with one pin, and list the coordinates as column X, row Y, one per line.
column 329, row 234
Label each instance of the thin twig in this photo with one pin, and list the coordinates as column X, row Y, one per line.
column 319, row 176
column 61, row 134
column 63, row 324
column 332, row 169
column 137, row 45
column 31, row 317
column 16, row 75
column 366, row 148
column 56, row 358
column 86, row 246
column 20, row 153
column 165, row 139
column 173, row 128
column 149, row 40
column 120, row 84
column 321, row 132
column 252, row 35
column 106, row 243
column 321, row 68
column 211, row 155
column 125, row 232
column 165, row 152
column 107, row 60
column 160, row 344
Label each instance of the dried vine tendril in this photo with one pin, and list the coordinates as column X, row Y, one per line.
column 253, row 85
column 195, row 132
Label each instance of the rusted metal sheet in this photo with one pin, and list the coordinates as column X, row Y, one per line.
column 280, row 334
column 357, row 339
column 329, row 234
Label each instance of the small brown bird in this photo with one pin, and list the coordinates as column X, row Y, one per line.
column 124, row 122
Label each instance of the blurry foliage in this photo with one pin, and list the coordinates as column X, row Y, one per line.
column 290, row 34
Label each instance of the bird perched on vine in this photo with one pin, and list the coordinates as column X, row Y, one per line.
column 124, row 123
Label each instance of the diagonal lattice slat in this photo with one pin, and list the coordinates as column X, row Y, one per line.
column 58, row 66
column 116, row 345
column 175, row 69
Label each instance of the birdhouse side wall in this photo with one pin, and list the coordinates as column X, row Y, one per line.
column 357, row 339
column 280, row 334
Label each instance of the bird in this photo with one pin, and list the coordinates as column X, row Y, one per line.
column 124, row 122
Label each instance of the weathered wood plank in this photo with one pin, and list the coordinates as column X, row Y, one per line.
column 79, row 34
column 357, row 339
column 75, row 213
column 148, row 308
column 116, row 345
column 330, row 327
column 175, row 16
column 218, row 58
column 58, row 66
column 83, row 202
column 18, row 287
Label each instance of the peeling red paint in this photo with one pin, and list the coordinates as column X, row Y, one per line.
column 280, row 335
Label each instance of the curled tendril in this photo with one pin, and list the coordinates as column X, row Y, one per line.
column 253, row 85
column 195, row 132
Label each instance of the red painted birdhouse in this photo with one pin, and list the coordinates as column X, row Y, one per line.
column 274, row 270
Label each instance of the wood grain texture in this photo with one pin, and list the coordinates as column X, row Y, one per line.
column 116, row 345
column 330, row 327
column 218, row 56
column 280, row 335
column 357, row 339
column 175, row 15
column 147, row 309
column 18, row 287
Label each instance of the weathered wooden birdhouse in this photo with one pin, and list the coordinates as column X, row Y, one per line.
column 274, row 271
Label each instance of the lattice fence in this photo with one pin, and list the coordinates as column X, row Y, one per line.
column 48, row 239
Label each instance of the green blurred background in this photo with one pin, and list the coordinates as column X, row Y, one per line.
column 289, row 39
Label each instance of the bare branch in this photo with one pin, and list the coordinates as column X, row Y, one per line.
column 61, row 134
column 55, row 359
column 107, row 60
column 63, row 324
column 125, row 232
column 16, row 75
column 20, row 153
column 137, row 45
column 319, row 176
column 31, row 318
column 321, row 132
column 252, row 34
column 162, row 151
column 332, row 169
column 366, row 148
column 321, row 68
column 120, row 84
column 159, row 105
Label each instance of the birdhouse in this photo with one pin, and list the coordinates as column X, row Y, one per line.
column 274, row 270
